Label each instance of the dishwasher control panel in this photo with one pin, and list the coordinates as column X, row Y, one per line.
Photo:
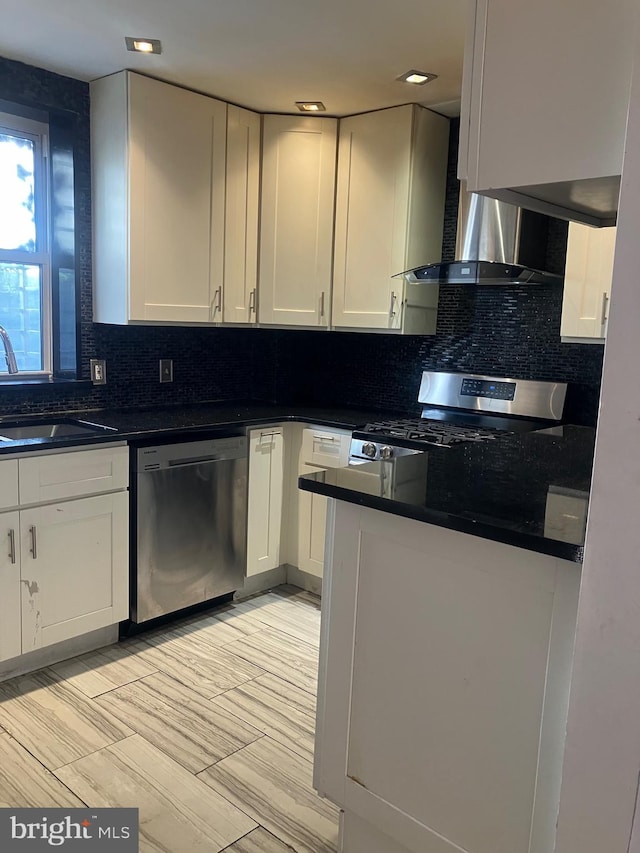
column 165, row 456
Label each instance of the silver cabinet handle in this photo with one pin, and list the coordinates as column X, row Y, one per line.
column 392, row 311
column 12, row 546
column 34, row 542
column 216, row 302
column 322, row 304
column 605, row 303
column 252, row 301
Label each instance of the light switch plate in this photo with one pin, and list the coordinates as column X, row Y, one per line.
column 98, row 368
column 166, row 370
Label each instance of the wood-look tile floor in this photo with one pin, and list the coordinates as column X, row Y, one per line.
column 206, row 726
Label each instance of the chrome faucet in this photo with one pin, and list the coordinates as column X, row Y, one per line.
column 9, row 354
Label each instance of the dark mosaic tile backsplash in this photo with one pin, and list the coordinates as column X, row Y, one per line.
column 508, row 331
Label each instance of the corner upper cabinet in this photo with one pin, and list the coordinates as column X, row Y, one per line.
column 296, row 226
column 392, row 167
column 237, row 300
column 544, row 104
column 158, row 179
column 587, row 283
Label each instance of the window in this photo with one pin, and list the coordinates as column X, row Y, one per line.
column 25, row 267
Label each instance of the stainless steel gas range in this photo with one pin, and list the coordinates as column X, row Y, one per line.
column 461, row 408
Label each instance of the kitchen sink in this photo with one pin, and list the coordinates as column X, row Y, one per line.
column 58, row 428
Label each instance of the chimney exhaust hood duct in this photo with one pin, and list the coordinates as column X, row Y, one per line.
column 498, row 243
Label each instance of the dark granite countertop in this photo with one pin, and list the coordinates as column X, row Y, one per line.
column 172, row 422
column 529, row 490
column 508, row 490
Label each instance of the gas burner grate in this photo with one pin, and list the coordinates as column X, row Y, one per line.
column 433, row 432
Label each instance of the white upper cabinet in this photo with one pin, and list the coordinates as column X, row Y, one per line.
column 544, row 106
column 391, row 187
column 158, row 156
column 587, row 282
column 238, row 296
column 296, row 229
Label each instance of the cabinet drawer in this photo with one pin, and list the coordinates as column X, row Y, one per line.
column 8, row 483
column 325, row 448
column 69, row 475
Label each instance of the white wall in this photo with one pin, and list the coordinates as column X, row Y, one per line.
column 602, row 756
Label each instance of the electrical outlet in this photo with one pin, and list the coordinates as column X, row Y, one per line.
column 166, row 370
column 98, row 371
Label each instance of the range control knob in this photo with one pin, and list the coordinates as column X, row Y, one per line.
column 386, row 452
column 369, row 449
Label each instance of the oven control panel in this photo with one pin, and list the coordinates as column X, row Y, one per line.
column 488, row 388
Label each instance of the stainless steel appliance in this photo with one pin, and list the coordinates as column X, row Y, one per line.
column 461, row 408
column 190, row 520
column 497, row 243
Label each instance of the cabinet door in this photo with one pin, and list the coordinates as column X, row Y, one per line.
column 296, row 229
column 541, row 131
column 391, row 186
column 10, row 636
column 475, row 655
column 266, row 461
column 177, row 142
column 325, row 448
column 374, row 160
column 74, row 575
column 312, row 523
column 57, row 476
column 241, row 220
column 8, row 483
column 587, row 281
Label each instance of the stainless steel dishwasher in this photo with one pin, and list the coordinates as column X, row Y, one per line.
column 190, row 524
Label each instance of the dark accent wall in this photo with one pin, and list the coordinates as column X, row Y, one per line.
column 512, row 331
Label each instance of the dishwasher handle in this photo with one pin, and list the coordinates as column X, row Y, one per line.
column 194, row 460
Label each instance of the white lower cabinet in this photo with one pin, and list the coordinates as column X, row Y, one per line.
column 10, row 640
column 321, row 448
column 64, row 564
column 312, row 517
column 73, row 575
column 266, row 480
column 445, row 664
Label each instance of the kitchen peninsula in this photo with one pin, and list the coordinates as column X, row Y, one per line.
column 449, row 611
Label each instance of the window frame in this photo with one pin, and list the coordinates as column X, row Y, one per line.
column 38, row 133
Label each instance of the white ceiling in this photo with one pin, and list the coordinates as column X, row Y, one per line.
column 262, row 54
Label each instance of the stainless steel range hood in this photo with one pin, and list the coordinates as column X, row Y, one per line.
column 497, row 243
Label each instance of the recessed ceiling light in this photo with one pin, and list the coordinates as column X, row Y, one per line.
column 311, row 106
column 417, row 77
column 142, row 45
